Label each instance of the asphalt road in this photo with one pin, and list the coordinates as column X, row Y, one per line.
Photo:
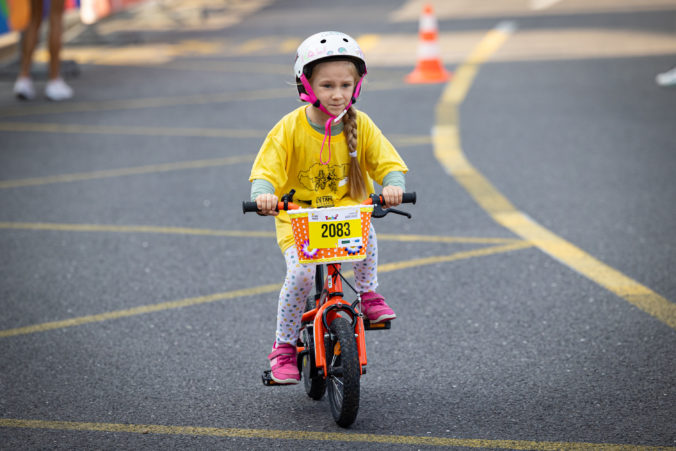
column 138, row 303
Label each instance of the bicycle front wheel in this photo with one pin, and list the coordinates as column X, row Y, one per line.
column 342, row 381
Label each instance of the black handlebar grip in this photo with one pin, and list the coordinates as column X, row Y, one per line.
column 249, row 207
column 408, row 198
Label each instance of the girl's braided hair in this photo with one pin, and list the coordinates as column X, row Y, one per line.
column 356, row 184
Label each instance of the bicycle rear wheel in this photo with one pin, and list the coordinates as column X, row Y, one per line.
column 314, row 383
column 342, row 382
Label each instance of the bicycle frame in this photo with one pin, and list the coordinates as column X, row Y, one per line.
column 329, row 305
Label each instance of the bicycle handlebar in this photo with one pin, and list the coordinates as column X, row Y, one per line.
column 374, row 199
column 248, row 206
column 408, row 198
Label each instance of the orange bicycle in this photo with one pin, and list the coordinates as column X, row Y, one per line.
column 332, row 346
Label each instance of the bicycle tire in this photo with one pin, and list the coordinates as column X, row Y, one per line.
column 342, row 382
column 314, row 383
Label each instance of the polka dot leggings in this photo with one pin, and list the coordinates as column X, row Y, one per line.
column 299, row 285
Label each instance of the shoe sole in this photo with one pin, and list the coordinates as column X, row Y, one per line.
column 284, row 381
column 382, row 318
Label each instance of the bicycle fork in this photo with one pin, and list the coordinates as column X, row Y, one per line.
column 335, row 306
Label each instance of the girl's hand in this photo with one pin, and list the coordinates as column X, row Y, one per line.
column 393, row 195
column 267, row 204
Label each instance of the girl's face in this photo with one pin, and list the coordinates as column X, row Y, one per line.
column 333, row 83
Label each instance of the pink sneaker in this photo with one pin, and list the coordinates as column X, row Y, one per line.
column 375, row 308
column 283, row 366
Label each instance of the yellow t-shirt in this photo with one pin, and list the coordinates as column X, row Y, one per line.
column 289, row 159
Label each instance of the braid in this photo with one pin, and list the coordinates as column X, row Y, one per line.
column 356, row 184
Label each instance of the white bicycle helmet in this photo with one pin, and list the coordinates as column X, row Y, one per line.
column 324, row 45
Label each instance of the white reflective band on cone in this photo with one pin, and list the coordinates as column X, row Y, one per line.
column 428, row 23
column 428, row 50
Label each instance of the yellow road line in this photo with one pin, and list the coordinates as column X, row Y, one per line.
column 56, row 127
column 368, row 42
column 129, row 130
column 229, row 66
column 385, row 267
column 43, row 327
column 166, row 167
column 252, row 45
column 162, row 102
column 61, row 227
column 289, row 45
column 147, row 169
column 409, row 140
column 189, row 302
column 150, row 102
column 271, row 434
column 443, row 239
column 449, row 153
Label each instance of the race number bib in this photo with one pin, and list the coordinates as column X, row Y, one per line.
column 335, row 227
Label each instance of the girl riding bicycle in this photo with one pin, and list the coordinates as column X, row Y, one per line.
column 330, row 154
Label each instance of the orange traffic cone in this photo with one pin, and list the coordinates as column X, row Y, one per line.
column 429, row 68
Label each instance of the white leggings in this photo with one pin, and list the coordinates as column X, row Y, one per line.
column 300, row 282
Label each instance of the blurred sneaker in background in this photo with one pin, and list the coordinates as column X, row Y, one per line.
column 667, row 78
column 23, row 88
column 57, row 90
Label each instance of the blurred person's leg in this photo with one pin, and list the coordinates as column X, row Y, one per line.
column 55, row 32
column 23, row 88
column 30, row 38
column 56, row 88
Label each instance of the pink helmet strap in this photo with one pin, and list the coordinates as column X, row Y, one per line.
column 309, row 96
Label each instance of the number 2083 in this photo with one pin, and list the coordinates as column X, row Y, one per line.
column 336, row 229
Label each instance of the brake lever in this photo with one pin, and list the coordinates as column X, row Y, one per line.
column 380, row 212
column 398, row 212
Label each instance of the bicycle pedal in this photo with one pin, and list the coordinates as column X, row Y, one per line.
column 383, row 325
column 267, row 379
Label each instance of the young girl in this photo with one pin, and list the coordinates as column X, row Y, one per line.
column 330, row 154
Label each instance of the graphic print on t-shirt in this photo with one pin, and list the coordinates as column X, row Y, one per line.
column 325, row 180
column 321, row 177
